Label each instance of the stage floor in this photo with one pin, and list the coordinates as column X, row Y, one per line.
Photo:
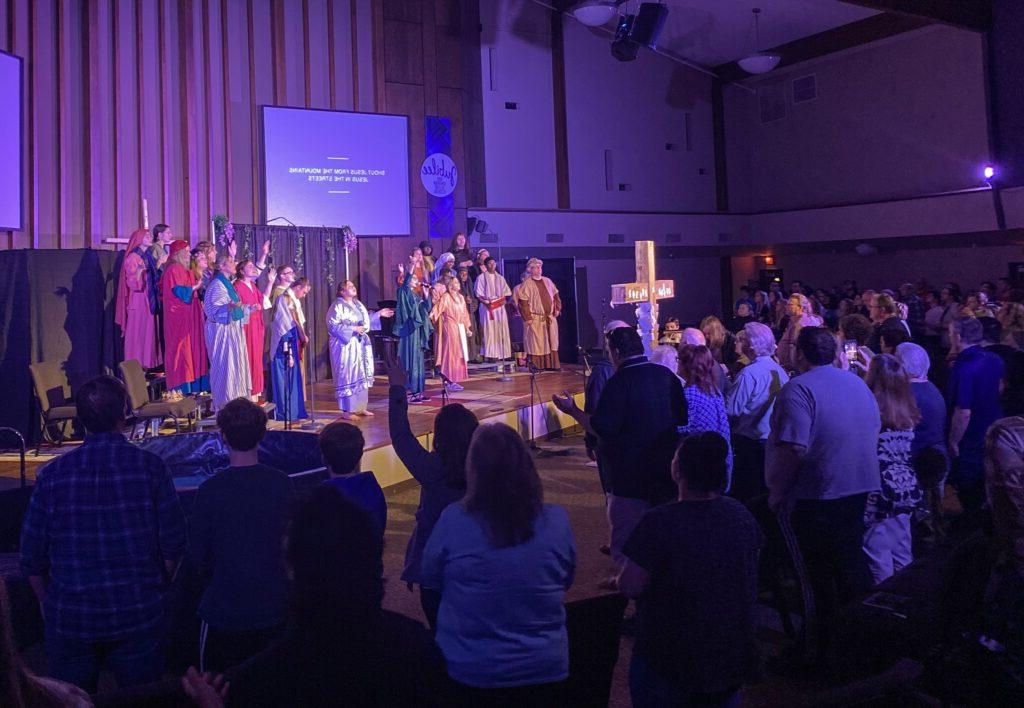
column 489, row 399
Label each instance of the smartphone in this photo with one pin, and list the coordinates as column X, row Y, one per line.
column 850, row 347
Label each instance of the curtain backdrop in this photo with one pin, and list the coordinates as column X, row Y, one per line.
column 318, row 254
column 55, row 305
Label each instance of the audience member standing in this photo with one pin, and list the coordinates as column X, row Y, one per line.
column 973, row 398
column 236, row 530
column 341, row 446
column 101, row 538
column 1004, row 483
column 749, row 404
column 705, row 407
column 340, row 647
column 440, row 472
column 887, row 539
column 637, row 420
column 801, row 314
column 821, row 464
column 502, row 560
column 692, row 565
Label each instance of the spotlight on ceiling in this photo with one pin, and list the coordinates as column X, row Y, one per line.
column 759, row 62
column 988, row 172
column 595, row 13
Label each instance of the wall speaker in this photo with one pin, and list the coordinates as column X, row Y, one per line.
column 623, row 46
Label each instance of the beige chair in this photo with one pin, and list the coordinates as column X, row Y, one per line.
column 56, row 408
column 145, row 410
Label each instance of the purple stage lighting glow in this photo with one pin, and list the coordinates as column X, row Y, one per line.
column 988, row 172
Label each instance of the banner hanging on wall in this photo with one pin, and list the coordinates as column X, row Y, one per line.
column 439, row 176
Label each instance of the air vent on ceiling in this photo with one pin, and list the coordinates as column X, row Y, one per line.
column 673, row 238
column 511, row 106
column 616, row 238
column 487, row 238
column 554, row 238
column 771, row 103
column 724, row 238
column 805, row 89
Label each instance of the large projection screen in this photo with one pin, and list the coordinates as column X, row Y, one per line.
column 337, row 168
column 11, row 202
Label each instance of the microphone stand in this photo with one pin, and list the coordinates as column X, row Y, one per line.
column 444, row 388
column 287, row 388
column 534, row 397
column 586, row 360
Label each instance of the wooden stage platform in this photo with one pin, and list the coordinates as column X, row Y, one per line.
column 489, row 399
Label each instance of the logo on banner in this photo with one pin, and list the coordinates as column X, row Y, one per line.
column 439, row 175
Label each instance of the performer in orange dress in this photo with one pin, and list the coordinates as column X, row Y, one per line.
column 451, row 318
column 135, row 313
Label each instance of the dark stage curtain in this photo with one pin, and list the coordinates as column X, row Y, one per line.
column 55, row 305
column 316, row 253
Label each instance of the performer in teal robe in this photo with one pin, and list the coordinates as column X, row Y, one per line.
column 413, row 328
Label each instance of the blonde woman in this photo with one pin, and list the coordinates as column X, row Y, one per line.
column 887, row 516
column 801, row 314
column 1011, row 317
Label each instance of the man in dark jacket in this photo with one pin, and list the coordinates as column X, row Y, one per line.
column 636, row 423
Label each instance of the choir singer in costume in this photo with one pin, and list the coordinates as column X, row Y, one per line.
column 493, row 292
column 287, row 334
column 451, row 317
column 413, row 329
column 540, row 307
column 185, row 345
column 225, row 336
column 247, row 274
column 349, row 324
column 134, row 313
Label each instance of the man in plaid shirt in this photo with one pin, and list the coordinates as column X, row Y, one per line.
column 102, row 536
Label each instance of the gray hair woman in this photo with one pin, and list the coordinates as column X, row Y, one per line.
column 749, row 404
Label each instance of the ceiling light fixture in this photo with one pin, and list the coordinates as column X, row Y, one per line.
column 759, row 62
column 595, row 13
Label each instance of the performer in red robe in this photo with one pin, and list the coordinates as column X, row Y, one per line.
column 255, row 329
column 184, row 340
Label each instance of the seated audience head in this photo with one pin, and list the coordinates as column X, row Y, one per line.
column 743, row 309
column 667, row 356
column 696, row 366
column 892, row 334
column 624, row 343
column 991, row 330
column 692, row 337
column 759, row 340
column 341, row 446
column 815, row 346
column 915, row 360
column 969, row 331
column 714, row 331
column 102, row 404
column 242, row 424
column 454, row 426
column 856, row 328
column 700, row 467
column 503, row 488
column 334, row 552
column 889, row 381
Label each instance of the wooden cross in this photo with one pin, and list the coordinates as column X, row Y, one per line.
column 646, row 288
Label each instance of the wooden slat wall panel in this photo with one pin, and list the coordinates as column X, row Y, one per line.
column 159, row 100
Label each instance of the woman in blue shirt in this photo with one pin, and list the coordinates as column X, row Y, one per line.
column 704, row 402
column 502, row 560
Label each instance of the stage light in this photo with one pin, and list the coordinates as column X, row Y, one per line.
column 988, row 172
column 769, row 260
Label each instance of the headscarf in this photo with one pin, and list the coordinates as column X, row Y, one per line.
column 135, row 241
column 444, row 258
column 409, row 316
